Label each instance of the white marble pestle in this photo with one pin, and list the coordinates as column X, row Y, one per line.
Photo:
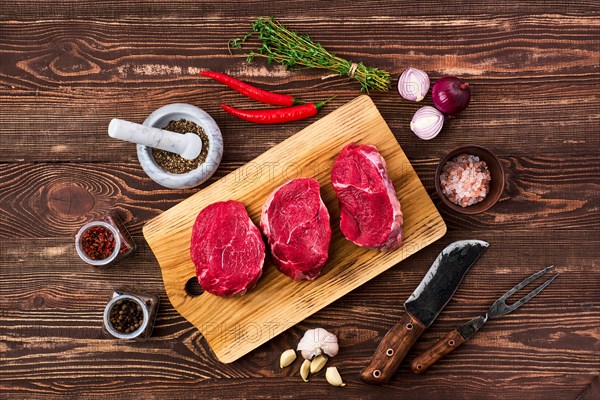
column 188, row 145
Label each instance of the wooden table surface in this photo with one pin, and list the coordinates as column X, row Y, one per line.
column 67, row 68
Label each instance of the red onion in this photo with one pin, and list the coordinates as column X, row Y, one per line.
column 413, row 84
column 427, row 123
column 450, row 95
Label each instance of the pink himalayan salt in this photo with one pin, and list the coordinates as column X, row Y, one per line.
column 465, row 180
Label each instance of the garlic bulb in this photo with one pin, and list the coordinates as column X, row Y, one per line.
column 413, row 84
column 427, row 122
column 316, row 342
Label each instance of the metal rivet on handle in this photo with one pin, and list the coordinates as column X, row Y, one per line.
column 409, row 326
column 451, row 342
column 389, row 352
column 377, row 373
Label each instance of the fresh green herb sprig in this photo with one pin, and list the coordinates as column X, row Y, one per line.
column 280, row 45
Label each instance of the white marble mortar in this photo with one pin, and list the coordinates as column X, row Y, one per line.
column 174, row 112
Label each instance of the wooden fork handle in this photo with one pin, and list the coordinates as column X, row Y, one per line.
column 437, row 351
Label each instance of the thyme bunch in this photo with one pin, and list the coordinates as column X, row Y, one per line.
column 292, row 50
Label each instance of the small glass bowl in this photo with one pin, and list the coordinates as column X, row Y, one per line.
column 105, row 261
column 131, row 335
column 149, row 304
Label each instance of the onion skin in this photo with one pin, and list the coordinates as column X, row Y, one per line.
column 427, row 123
column 450, row 95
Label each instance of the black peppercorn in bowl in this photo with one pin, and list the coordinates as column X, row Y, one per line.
column 126, row 317
column 179, row 112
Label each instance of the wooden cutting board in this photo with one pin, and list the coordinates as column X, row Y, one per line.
column 235, row 326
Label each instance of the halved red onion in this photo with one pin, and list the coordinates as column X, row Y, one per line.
column 413, row 84
column 427, row 122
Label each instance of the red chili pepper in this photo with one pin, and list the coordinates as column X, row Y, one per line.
column 277, row 115
column 255, row 93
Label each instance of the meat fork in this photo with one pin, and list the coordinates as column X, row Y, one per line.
column 466, row 331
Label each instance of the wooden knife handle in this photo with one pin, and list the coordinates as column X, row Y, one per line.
column 391, row 351
column 437, row 351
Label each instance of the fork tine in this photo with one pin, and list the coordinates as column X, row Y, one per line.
column 525, row 282
column 531, row 295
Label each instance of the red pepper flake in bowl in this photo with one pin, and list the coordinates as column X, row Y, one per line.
column 98, row 242
column 104, row 242
column 465, row 180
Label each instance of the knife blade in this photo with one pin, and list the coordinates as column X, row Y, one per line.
column 422, row 308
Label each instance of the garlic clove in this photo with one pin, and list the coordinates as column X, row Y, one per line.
column 286, row 358
column 318, row 341
column 305, row 370
column 427, row 122
column 333, row 377
column 318, row 363
column 413, row 84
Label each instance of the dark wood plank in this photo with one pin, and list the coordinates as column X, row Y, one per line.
column 92, row 72
column 231, row 9
column 551, row 344
column 592, row 391
column 67, row 68
column 39, row 200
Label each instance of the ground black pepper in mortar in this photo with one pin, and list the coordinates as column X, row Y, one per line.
column 126, row 316
column 174, row 163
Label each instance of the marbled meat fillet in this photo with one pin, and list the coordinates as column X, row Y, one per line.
column 296, row 224
column 370, row 214
column 227, row 249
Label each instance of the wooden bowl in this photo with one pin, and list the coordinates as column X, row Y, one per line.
column 496, row 183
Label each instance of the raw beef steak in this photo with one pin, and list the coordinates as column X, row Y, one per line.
column 227, row 249
column 370, row 214
column 296, row 224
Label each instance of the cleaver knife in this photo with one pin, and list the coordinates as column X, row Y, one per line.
column 422, row 308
